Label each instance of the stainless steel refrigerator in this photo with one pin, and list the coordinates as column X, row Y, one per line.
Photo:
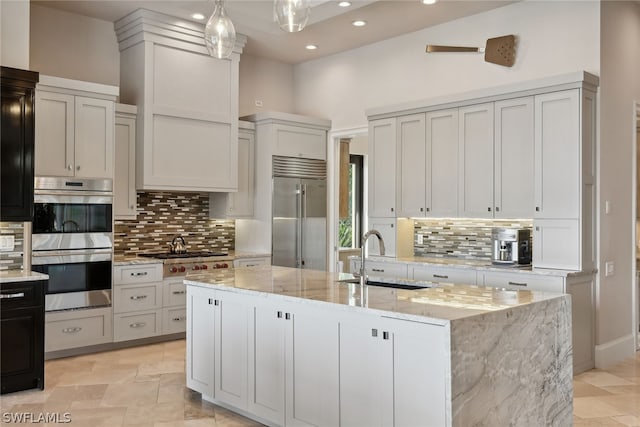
column 299, row 227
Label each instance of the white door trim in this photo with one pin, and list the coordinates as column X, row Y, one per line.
column 634, row 217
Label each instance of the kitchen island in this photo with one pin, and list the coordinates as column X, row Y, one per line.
column 296, row 347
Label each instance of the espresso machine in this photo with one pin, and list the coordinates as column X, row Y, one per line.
column 511, row 246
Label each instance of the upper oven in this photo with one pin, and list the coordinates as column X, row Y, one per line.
column 72, row 213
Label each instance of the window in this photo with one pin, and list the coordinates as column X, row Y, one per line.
column 349, row 228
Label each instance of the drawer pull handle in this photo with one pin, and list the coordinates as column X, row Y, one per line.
column 71, row 330
column 378, row 270
column 517, row 284
column 279, row 315
column 440, row 276
column 138, row 325
column 140, row 273
column 179, row 319
column 179, row 292
column 7, row 296
column 137, row 297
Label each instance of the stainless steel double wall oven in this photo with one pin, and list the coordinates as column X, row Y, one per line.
column 72, row 240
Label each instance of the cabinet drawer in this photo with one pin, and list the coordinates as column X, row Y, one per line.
column 175, row 293
column 445, row 274
column 524, row 282
column 77, row 328
column 135, row 326
column 128, row 298
column 22, row 294
column 174, row 320
column 251, row 262
column 385, row 269
column 130, row 274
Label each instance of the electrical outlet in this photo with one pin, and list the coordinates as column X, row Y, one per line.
column 609, row 268
column 258, row 103
column 419, row 239
column 7, row 243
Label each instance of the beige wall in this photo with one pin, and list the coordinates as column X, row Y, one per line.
column 555, row 37
column 265, row 80
column 74, row 46
column 619, row 88
column 14, row 34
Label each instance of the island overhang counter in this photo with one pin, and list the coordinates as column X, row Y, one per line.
column 296, row 347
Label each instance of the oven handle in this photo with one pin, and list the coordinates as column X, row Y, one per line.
column 71, row 256
column 73, row 197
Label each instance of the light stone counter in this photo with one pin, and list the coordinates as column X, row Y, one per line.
column 7, row 276
column 134, row 260
column 509, row 353
column 478, row 265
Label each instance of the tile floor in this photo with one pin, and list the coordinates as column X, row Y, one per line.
column 145, row 386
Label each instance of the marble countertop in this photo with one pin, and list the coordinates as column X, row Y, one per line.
column 7, row 276
column 439, row 304
column 481, row 265
column 132, row 259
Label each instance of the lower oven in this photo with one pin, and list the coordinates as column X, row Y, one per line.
column 77, row 278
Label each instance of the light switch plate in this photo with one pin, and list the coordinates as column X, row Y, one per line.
column 419, row 239
column 7, row 243
column 609, row 268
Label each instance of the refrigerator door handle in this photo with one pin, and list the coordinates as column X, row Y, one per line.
column 303, row 221
column 299, row 205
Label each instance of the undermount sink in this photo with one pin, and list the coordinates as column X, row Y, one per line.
column 389, row 282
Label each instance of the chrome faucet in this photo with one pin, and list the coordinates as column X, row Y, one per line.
column 363, row 244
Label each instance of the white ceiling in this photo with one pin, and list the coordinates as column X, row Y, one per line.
column 329, row 26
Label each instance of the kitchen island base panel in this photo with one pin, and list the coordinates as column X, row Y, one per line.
column 514, row 367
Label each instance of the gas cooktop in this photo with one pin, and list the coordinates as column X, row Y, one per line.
column 197, row 254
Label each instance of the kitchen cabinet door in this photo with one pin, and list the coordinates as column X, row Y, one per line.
column 382, row 168
column 387, row 229
column 475, row 191
column 411, row 158
column 514, row 158
column 201, row 341
column 557, row 244
column 266, row 363
column 94, row 126
column 232, row 314
column 442, row 163
column 311, row 369
column 557, row 155
column 54, row 134
column 124, row 176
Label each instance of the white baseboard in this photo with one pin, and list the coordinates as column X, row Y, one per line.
column 615, row 351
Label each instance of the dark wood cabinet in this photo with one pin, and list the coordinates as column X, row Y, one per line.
column 22, row 335
column 17, row 144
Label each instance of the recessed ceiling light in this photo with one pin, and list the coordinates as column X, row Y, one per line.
column 344, row 4
column 198, row 16
column 429, row 1
column 311, row 47
column 359, row 23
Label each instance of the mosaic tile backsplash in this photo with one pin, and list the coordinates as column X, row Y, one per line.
column 161, row 215
column 12, row 260
column 458, row 238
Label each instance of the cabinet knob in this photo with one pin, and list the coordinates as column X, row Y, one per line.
column 537, row 208
column 489, row 209
column 131, row 207
column 497, row 209
column 385, row 335
column 421, row 209
column 391, row 225
column 374, row 332
column 77, row 168
column 391, row 209
column 69, row 167
column 428, row 209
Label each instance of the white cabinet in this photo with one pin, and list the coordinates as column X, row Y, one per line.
column 442, row 163
column 382, row 168
column 411, row 166
column 187, row 136
column 251, row 262
column 74, row 131
column 475, row 133
column 238, row 204
column 217, row 345
column 513, row 158
column 137, row 301
column 518, row 281
column 381, row 269
column 387, row 229
column 124, row 177
column 564, row 186
column 392, row 372
column 290, row 382
column 77, row 328
column 465, row 276
column 298, row 141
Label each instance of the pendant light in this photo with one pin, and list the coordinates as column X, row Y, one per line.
column 292, row 15
column 219, row 33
